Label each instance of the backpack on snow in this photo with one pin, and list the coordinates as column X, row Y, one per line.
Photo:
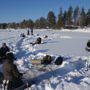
column 59, row 60
column 47, row 59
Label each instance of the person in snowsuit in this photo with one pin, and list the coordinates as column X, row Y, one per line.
column 3, row 50
column 31, row 31
column 28, row 33
column 11, row 73
column 38, row 41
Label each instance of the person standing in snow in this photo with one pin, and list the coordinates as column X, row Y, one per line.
column 28, row 33
column 11, row 73
column 31, row 31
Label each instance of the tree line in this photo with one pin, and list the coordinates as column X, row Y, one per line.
column 74, row 17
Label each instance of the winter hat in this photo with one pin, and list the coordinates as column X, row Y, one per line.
column 10, row 55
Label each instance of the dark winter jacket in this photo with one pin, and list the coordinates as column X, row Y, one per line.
column 38, row 41
column 1, row 77
column 31, row 31
column 3, row 51
column 12, row 74
column 28, row 33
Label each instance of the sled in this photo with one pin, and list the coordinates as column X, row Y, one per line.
column 36, row 62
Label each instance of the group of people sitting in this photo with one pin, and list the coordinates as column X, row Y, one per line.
column 11, row 77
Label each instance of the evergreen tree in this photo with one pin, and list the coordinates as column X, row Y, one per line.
column 82, row 18
column 23, row 24
column 43, row 22
column 27, row 24
column 30, row 24
column 65, row 18
column 76, row 15
column 13, row 25
column 88, row 17
column 3, row 25
column 37, row 23
column 69, row 15
column 60, row 19
column 51, row 19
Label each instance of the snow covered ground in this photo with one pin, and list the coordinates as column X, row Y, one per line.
column 71, row 75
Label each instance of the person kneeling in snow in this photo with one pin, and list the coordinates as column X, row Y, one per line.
column 38, row 41
column 11, row 74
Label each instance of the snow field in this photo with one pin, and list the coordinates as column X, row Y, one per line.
column 71, row 75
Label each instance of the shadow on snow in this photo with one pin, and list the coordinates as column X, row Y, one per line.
column 62, row 72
